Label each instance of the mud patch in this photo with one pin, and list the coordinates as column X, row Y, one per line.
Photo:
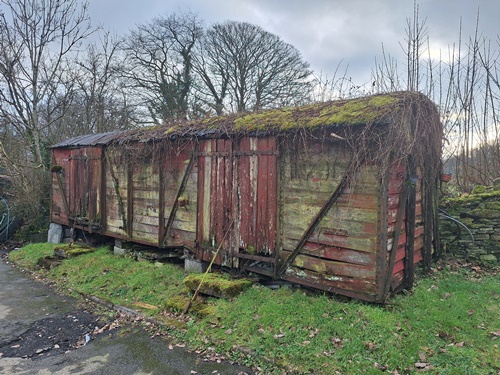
column 55, row 335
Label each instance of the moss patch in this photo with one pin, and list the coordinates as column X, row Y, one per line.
column 483, row 213
column 179, row 303
column 351, row 112
column 72, row 250
column 217, row 285
column 478, row 189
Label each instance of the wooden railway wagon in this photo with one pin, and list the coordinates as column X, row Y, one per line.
column 338, row 196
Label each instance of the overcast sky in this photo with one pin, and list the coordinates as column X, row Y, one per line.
column 326, row 32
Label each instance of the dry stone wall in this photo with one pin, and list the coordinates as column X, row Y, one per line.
column 480, row 213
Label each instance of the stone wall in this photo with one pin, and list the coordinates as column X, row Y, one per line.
column 480, row 213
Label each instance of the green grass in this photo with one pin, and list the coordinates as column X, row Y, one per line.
column 115, row 279
column 449, row 322
column 29, row 255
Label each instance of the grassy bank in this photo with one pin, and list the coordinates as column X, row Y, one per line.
column 449, row 324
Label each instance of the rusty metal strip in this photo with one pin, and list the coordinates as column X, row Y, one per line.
column 83, row 157
column 326, row 207
column 213, row 153
column 397, row 234
column 256, row 153
column 239, row 153
column 256, row 257
column 180, row 191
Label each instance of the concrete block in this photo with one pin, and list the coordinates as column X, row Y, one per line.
column 194, row 265
column 118, row 243
column 55, row 234
column 119, row 251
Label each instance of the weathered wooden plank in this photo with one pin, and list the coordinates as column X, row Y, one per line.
column 333, row 268
column 148, row 210
column 262, row 220
column 145, row 192
column 186, row 225
column 145, row 228
column 254, row 160
column 272, row 195
column 360, row 201
column 204, row 193
column 338, row 254
column 186, row 213
column 402, row 239
column 216, row 199
column 147, row 220
column 245, row 198
column 400, row 264
column 228, row 198
column 366, row 244
column 332, row 283
column 117, row 223
column 294, row 213
column 188, row 236
column 115, row 229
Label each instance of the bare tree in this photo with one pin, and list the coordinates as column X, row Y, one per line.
column 99, row 100
column 36, row 38
column 464, row 85
column 159, row 54
column 213, row 76
column 247, row 68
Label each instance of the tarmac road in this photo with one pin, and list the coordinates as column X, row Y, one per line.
column 44, row 333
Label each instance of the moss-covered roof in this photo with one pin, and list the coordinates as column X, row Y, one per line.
column 375, row 109
column 346, row 112
column 371, row 109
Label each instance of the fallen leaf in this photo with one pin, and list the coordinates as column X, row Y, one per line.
column 447, row 295
column 336, row 341
column 313, row 333
column 421, row 355
column 380, row 367
column 170, row 346
column 279, row 335
column 144, row 305
column 421, row 365
column 470, row 312
column 329, row 353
